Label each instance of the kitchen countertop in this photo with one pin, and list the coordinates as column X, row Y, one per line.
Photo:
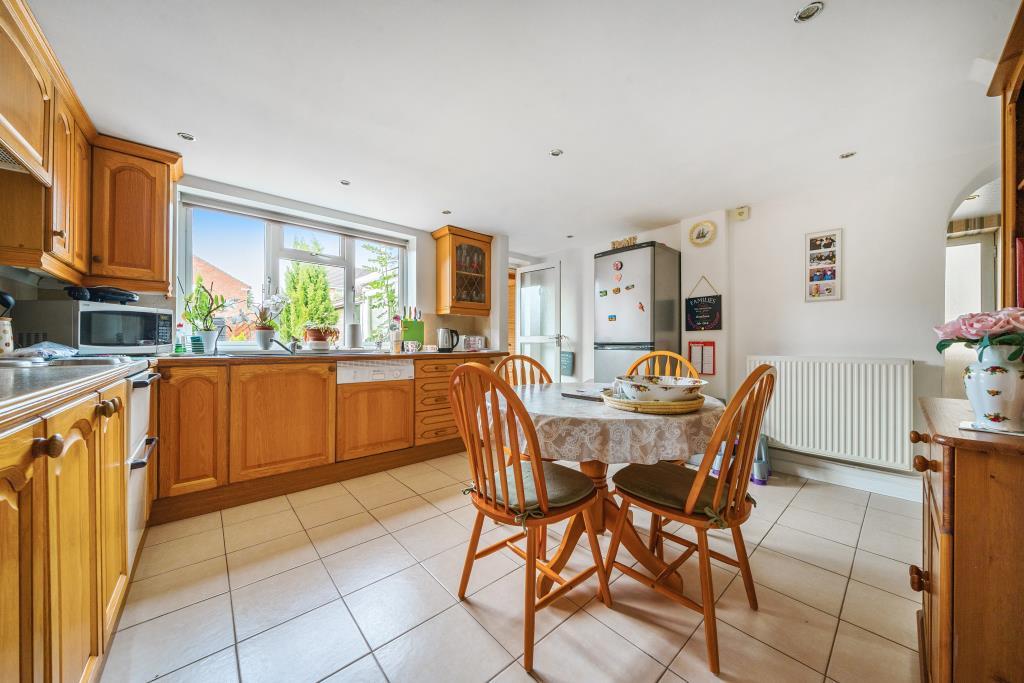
column 332, row 356
column 28, row 391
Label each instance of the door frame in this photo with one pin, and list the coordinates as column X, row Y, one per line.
column 541, row 339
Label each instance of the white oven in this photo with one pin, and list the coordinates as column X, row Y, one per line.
column 139, row 447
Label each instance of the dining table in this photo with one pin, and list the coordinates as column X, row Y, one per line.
column 571, row 425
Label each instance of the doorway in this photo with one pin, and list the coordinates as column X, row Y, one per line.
column 538, row 315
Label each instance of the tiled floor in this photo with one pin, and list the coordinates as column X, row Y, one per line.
column 356, row 582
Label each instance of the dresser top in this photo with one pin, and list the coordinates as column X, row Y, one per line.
column 943, row 417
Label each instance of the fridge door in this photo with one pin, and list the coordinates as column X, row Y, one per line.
column 623, row 305
column 612, row 360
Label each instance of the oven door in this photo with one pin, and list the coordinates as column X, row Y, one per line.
column 112, row 328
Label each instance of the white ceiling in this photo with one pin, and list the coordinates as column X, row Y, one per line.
column 665, row 109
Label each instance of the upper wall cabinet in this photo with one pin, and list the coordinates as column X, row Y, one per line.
column 61, row 228
column 463, row 271
column 25, row 98
column 131, row 210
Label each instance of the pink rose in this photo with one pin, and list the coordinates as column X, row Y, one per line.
column 950, row 330
column 1014, row 316
column 976, row 326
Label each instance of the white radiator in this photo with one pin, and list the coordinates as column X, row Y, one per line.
column 855, row 409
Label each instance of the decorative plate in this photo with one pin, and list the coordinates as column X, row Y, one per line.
column 653, row 407
column 703, row 233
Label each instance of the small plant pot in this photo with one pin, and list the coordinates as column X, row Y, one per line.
column 315, row 335
column 209, row 338
column 264, row 337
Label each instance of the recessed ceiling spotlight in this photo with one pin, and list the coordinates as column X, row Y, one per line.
column 556, row 152
column 847, row 155
column 970, row 197
column 446, row 212
column 808, row 12
column 187, row 137
column 345, row 182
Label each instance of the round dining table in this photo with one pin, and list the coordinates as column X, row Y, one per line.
column 572, row 426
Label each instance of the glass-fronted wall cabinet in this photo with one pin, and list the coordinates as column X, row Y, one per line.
column 463, row 271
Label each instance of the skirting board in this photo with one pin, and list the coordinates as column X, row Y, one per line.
column 906, row 486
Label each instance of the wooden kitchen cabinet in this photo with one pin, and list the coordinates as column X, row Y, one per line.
column 113, row 482
column 22, row 556
column 463, row 271
column 81, row 205
column 58, row 236
column 282, row 418
column 26, row 96
column 193, row 429
column 374, row 417
column 434, row 419
column 72, row 471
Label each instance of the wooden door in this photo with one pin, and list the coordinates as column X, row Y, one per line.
column 282, row 418
column 22, row 546
column 60, row 226
column 81, row 201
column 113, row 532
column 71, row 480
column 374, row 417
column 193, row 429
column 130, row 216
column 24, row 100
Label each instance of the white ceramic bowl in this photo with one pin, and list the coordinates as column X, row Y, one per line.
column 658, row 388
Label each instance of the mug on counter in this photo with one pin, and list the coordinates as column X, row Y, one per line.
column 411, row 346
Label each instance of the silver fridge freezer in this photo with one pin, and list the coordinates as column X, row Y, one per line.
column 637, row 306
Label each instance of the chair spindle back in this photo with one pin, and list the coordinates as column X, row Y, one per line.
column 518, row 370
column 664, row 364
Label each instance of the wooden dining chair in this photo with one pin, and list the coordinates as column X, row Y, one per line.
column 664, row 363
column 522, row 490
column 518, row 369
column 694, row 497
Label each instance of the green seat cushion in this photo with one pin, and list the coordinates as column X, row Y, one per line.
column 668, row 485
column 565, row 486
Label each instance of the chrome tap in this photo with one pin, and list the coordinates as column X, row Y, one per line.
column 290, row 347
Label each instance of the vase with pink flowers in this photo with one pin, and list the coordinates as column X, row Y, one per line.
column 995, row 383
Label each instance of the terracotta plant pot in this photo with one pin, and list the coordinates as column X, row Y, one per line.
column 315, row 335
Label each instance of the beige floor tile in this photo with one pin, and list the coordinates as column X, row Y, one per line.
column 257, row 562
column 499, row 608
column 378, row 489
column 815, row 501
column 260, row 529
column 882, row 613
column 513, row 673
column 719, row 542
column 609, row 656
column 805, row 582
column 390, row 607
column 742, row 659
column 818, row 551
column 364, row 670
column 141, row 653
column 899, row 506
column 300, row 498
column 846, row 493
column 818, row 524
column 778, row 491
column 307, row 648
column 416, row 469
column 882, row 572
column 338, row 506
column 344, row 533
column 647, row 619
column 766, row 512
column 164, row 557
column 669, row 677
column 395, row 516
column 862, row 656
column 448, row 498
column 450, row 647
column 173, row 590
column 466, row 516
column 888, row 544
column 183, row 527
column 796, row 629
column 447, row 566
column 754, row 530
column 240, row 513
column 276, row 599
column 361, row 565
column 430, row 481
column 431, row 537
column 893, row 523
column 455, row 466
column 221, row 667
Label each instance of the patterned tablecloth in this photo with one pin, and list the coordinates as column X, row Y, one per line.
column 577, row 429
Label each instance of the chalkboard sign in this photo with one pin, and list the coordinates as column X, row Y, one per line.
column 704, row 313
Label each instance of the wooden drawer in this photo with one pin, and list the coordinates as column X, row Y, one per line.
column 437, row 368
column 435, row 425
column 432, row 394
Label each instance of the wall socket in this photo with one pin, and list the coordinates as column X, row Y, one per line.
column 740, row 213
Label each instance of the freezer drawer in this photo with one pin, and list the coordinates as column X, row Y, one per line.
column 610, row 362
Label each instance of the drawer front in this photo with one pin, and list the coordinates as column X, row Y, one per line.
column 432, row 394
column 437, row 368
column 435, row 425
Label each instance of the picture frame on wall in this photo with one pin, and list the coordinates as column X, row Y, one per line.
column 823, row 265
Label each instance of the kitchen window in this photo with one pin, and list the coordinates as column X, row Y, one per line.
column 330, row 276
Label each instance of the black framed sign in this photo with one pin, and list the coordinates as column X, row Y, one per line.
column 703, row 313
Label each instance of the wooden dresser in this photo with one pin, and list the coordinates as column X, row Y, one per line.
column 971, row 623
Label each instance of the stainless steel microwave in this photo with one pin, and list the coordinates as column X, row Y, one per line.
column 95, row 328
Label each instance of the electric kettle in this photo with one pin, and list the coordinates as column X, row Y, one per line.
column 447, row 340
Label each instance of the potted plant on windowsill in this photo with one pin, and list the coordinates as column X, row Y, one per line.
column 263, row 319
column 200, row 310
column 320, row 335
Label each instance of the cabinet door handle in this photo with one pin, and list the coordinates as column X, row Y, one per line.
column 919, row 579
column 97, row 259
column 105, row 408
column 51, row 447
column 117, row 403
column 917, row 437
column 59, row 233
column 923, row 464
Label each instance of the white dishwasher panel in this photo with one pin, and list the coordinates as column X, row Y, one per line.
column 355, row 371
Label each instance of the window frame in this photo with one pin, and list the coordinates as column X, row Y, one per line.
column 274, row 250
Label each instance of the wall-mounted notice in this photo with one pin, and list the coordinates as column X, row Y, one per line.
column 702, row 356
column 703, row 313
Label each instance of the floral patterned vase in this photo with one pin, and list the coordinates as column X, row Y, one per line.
column 995, row 387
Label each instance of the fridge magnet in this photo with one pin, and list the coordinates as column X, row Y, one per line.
column 640, row 306
column 603, row 292
column 617, row 265
column 629, row 287
column 617, row 277
column 703, row 233
column 611, row 318
column 823, row 265
column 625, row 242
column 616, row 290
